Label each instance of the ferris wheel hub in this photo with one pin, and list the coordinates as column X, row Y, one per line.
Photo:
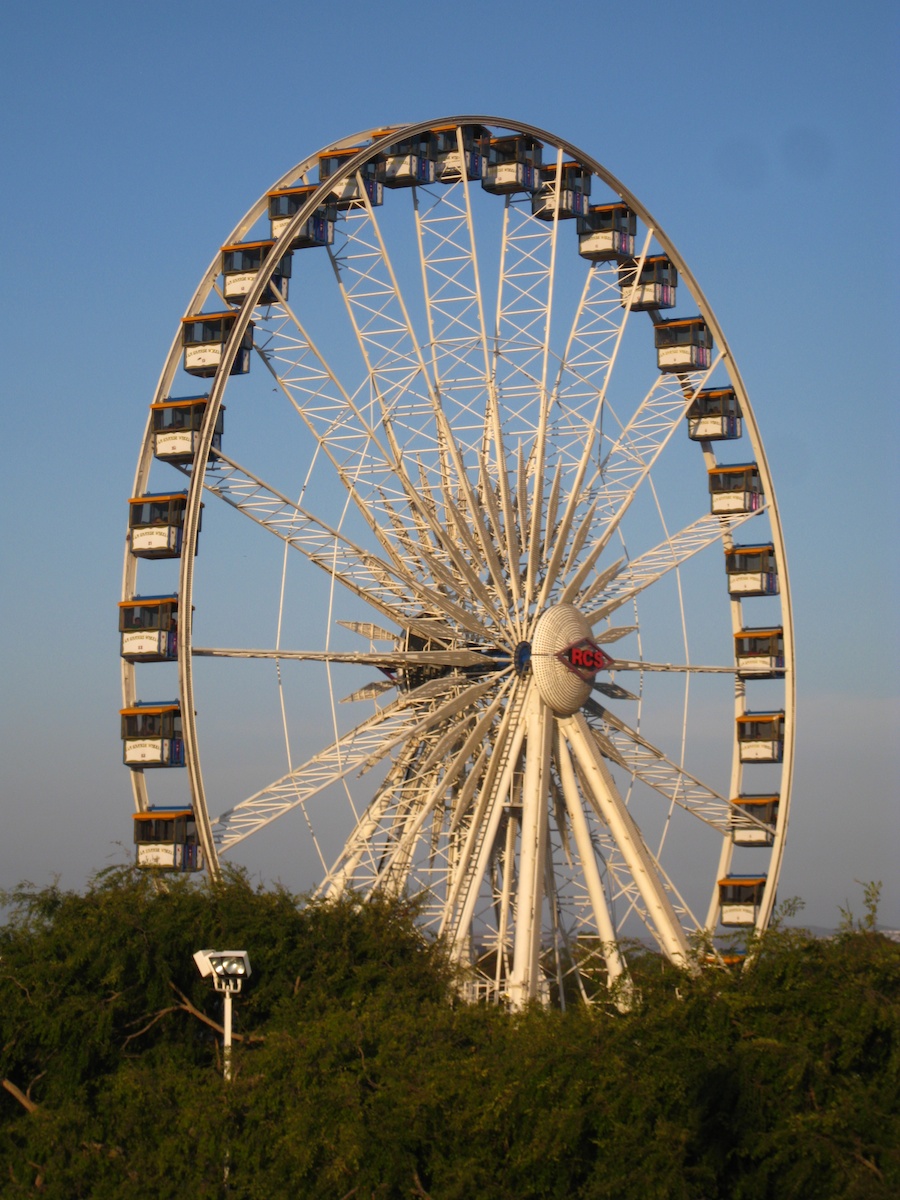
column 565, row 658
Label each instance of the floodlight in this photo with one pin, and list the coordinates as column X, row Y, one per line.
column 228, row 970
column 232, row 963
column 204, row 966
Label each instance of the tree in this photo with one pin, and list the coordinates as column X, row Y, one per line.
column 358, row 1072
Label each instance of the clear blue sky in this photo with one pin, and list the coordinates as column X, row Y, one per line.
column 762, row 137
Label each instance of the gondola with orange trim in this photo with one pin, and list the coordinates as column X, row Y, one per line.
column 166, row 839
column 152, row 735
column 203, row 339
column 176, row 428
column 149, row 628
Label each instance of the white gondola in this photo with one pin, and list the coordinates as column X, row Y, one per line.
column 752, row 570
column 285, row 203
column 606, row 233
column 409, row 162
column 149, row 628
column 735, row 489
column 152, row 736
column 203, row 338
column 740, row 898
column 155, row 524
column 683, row 344
column 574, row 187
column 513, row 164
column 761, row 737
column 166, row 839
column 176, row 428
column 448, row 166
column 714, row 416
column 759, row 653
column 753, row 820
column 241, row 263
column 362, row 185
column 654, row 287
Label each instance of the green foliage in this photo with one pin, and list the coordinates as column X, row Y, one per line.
column 361, row 1075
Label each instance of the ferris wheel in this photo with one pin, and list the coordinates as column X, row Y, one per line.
column 474, row 615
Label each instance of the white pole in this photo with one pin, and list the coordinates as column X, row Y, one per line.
column 227, row 1040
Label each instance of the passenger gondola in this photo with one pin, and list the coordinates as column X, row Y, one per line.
column 448, row 166
column 753, row 820
column 735, row 489
column 651, row 288
column 317, row 230
column 409, row 162
column 166, row 839
column 761, row 736
column 759, row 653
column 714, row 416
column 740, row 899
column 513, row 164
column 152, row 735
column 574, row 188
column 683, row 344
column 752, row 570
column 156, row 523
column 363, row 185
column 242, row 262
column 149, row 628
column 203, row 338
column 177, row 425
column 606, row 233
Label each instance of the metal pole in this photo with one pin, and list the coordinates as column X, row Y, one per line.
column 227, row 1041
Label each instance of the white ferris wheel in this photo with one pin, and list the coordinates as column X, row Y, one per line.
column 489, row 474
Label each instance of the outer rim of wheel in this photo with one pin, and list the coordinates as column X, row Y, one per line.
column 216, row 392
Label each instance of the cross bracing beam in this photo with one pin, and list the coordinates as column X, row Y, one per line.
column 408, row 718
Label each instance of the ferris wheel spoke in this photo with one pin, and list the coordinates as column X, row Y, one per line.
column 652, row 767
column 663, row 408
column 460, row 575
column 401, row 362
column 480, row 824
column 636, row 451
column 331, row 414
column 588, row 860
column 454, row 304
column 536, row 539
column 361, row 844
column 623, row 827
column 526, row 972
column 347, row 437
column 408, row 718
column 650, row 567
column 410, row 530
column 390, row 660
column 392, row 353
column 523, row 313
column 591, row 352
column 520, row 357
column 362, row 852
column 393, row 589
column 430, row 781
column 469, row 742
column 623, row 664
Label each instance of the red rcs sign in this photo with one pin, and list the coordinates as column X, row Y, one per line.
column 584, row 658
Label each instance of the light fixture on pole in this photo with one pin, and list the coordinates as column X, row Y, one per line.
column 228, row 970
